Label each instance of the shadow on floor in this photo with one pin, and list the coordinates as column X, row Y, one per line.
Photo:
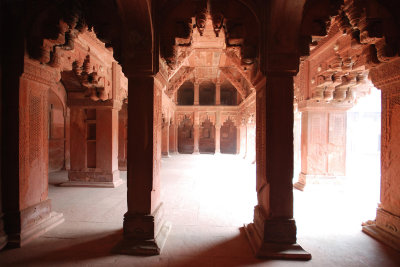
column 229, row 252
column 94, row 248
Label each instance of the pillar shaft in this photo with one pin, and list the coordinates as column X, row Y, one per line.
column 144, row 229
column 218, row 93
column 387, row 224
column 165, row 143
column 196, row 132
column 217, row 139
column 122, row 137
column 172, row 139
column 273, row 233
column 196, row 93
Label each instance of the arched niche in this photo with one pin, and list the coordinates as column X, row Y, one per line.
column 186, row 93
column 207, row 137
column 207, row 93
column 185, row 137
column 228, row 94
column 228, row 137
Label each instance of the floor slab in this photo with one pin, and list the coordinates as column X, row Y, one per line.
column 207, row 199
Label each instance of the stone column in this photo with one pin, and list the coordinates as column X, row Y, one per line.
column 218, row 133
column 387, row 224
column 67, row 142
column 196, row 132
column 273, row 232
column 218, row 93
column 250, row 143
column 196, row 93
column 165, row 138
column 122, row 137
column 94, row 145
column 172, row 139
column 243, row 140
column 144, row 229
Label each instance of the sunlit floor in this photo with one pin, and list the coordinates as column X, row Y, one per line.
column 207, row 199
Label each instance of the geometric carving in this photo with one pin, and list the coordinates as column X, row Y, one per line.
column 35, row 125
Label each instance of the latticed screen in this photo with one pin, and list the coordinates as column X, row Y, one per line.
column 34, row 128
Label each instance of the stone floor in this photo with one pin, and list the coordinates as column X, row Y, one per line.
column 207, row 199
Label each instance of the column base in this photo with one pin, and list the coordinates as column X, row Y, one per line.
column 165, row 155
column 147, row 247
column 274, row 238
column 385, row 228
column 35, row 221
column 93, row 179
column 144, row 234
column 196, row 153
column 316, row 179
column 122, row 165
column 271, row 250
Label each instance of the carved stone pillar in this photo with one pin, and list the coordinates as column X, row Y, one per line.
column 386, row 227
column 122, row 137
column 217, row 139
column 323, row 140
column 218, row 93
column 196, row 93
column 165, row 138
column 173, row 148
column 250, row 141
column 242, row 140
column 67, row 142
column 144, row 229
column 196, row 132
column 218, row 133
column 94, row 145
column 273, row 232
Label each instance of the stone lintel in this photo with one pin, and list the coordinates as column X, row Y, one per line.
column 34, row 221
column 322, row 106
column 96, row 178
column 144, row 234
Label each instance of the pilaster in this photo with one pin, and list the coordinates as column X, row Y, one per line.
column 386, row 226
column 196, row 93
column 196, row 132
column 218, row 93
